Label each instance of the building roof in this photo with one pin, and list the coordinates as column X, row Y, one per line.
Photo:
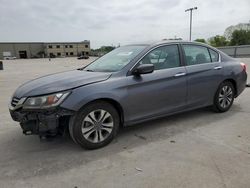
column 85, row 41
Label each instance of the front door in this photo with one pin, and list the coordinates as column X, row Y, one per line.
column 160, row 92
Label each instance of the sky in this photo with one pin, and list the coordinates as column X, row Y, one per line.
column 113, row 22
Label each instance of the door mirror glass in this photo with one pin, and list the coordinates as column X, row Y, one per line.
column 143, row 69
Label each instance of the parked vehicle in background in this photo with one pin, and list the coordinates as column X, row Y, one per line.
column 8, row 56
column 83, row 57
column 131, row 84
column 51, row 55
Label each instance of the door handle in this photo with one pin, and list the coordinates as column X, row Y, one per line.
column 180, row 74
column 217, row 67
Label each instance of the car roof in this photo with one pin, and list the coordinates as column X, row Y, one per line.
column 149, row 45
column 156, row 43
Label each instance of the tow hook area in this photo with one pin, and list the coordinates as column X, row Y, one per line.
column 27, row 132
column 44, row 124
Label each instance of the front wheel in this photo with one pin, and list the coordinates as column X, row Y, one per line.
column 224, row 97
column 95, row 125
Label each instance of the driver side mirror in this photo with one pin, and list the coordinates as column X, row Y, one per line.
column 143, row 69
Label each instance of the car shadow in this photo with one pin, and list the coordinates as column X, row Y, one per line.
column 26, row 156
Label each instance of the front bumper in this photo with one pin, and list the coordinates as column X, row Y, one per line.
column 41, row 122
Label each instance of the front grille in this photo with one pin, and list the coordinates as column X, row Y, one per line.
column 14, row 101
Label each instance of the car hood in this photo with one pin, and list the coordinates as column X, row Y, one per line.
column 59, row 82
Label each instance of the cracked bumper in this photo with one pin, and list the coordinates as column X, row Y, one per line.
column 40, row 122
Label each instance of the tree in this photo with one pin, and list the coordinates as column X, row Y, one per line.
column 200, row 40
column 106, row 49
column 102, row 50
column 240, row 37
column 241, row 26
column 218, row 40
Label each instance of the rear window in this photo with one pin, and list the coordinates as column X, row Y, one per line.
column 214, row 55
column 196, row 54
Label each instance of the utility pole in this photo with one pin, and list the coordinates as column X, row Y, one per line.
column 191, row 17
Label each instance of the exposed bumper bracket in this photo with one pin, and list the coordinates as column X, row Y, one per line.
column 41, row 123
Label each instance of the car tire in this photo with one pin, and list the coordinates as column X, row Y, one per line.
column 95, row 125
column 224, row 97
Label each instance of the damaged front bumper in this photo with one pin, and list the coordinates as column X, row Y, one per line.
column 42, row 122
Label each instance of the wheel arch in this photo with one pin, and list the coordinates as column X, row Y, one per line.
column 114, row 103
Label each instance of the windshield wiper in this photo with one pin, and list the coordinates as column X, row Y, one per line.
column 83, row 68
column 80, row 68
column 89, row 70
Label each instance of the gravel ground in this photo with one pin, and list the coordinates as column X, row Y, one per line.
column 193, row 149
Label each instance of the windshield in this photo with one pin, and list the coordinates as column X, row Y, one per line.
column 115, row 60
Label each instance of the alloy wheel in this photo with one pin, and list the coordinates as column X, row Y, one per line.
column 225, row 96
column 97, row 126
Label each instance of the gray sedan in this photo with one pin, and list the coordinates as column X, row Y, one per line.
column 131, row 84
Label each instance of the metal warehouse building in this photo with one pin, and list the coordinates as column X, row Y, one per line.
column 40, row 50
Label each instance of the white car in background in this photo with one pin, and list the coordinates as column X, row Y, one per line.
column 9, row 57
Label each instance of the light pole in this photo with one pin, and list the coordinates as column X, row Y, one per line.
column 191, row 17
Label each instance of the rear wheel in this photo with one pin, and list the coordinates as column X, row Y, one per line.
column 224, row 97
column 95, row 125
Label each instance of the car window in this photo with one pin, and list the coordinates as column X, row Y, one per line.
column 163, row 57
column 196, row 54
column 214, row 55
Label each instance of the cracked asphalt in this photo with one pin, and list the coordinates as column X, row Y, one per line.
column 193, row 149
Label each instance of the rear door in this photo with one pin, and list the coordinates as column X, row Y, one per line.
column 160, row 92
column 204, row 73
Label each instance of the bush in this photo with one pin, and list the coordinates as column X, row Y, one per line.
column 200, row 40
column 218, row 40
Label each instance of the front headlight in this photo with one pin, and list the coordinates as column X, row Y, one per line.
column 46, row 101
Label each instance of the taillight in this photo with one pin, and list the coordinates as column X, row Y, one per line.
column 243, row 65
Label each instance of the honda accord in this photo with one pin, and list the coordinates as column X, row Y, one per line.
column 131, row 84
